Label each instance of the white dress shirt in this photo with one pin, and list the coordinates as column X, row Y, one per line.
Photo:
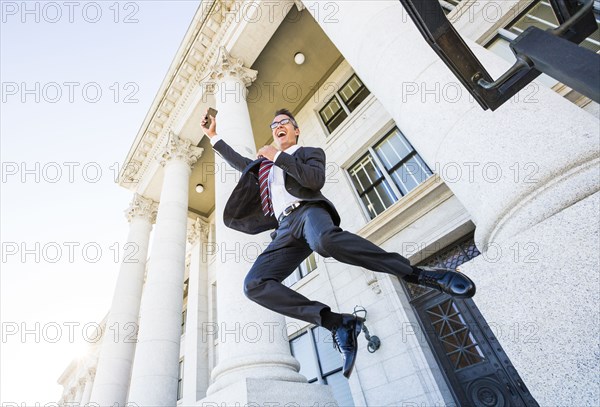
column 280, row 197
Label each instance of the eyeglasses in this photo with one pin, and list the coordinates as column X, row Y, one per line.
column 283, row 122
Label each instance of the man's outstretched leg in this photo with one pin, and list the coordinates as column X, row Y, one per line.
column 330, row 241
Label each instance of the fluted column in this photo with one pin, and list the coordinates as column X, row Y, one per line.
column 79, row 391
column 155, row 368
column 118, row 344
column 499, row 164
column 195, row 374
column 89, row 384
column 266, row 354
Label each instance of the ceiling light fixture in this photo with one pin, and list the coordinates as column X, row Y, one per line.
column 299, row 58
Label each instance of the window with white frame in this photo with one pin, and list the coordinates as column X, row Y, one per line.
column 391, row 169
column 308, row 266
column 343, row 103
column 540, row 14
column 321, row 363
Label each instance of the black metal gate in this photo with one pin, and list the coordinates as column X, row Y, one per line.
column 476, row 368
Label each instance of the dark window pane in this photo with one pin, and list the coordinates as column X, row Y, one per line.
column 358, row 98
column 331, row 108
column 350, row 88
column 336, row 120
column 373, row 173
column 364, row 174
column 333, row 114
column 379, row 199
column 302, row 351
column 353, row 93
column 329, row 358
column 341, row 389
column 374, row 190
column 356, row 180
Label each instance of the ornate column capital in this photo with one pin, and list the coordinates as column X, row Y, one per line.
column 180, row 149
column 91, row 373
column 143, row 207
column 198, row 231
column 227, row 66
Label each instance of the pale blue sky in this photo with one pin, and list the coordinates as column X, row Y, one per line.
column 53, row 212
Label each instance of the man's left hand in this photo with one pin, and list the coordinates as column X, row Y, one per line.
column 267, row 152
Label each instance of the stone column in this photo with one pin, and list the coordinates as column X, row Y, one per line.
column 195, row 366
column 509, row 161
column 118, row 344
column 89, row 384
column 528, row 175
column 155, row 369
column 79, row 391
column 252, row 339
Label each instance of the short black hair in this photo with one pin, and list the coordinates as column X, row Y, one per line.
column 288, row 114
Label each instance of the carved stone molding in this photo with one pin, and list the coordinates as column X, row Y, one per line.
column 299, row 5
column 372, row 281
column 91, row 373
column 198, row 231
column 142, row 207
column 227, row 66
column 208, row 32
column 180, row 149
column 188, row 263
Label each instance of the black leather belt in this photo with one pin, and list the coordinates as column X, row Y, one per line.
column 287, row 211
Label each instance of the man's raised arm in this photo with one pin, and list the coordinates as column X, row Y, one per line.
column 231, row 156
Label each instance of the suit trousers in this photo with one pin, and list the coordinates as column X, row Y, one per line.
column 307, row 229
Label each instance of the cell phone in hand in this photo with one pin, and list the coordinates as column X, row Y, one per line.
column 211, row 112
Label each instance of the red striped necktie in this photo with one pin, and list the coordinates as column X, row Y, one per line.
column 263, row 181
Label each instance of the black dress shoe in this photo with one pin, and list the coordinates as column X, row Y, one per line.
column 447, row 281
column 345, row 340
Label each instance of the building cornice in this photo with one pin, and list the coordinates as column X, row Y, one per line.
column 197, row 49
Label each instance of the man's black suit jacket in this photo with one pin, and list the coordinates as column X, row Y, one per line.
column 304, row 176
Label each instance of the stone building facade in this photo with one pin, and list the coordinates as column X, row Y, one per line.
column 414, row 165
